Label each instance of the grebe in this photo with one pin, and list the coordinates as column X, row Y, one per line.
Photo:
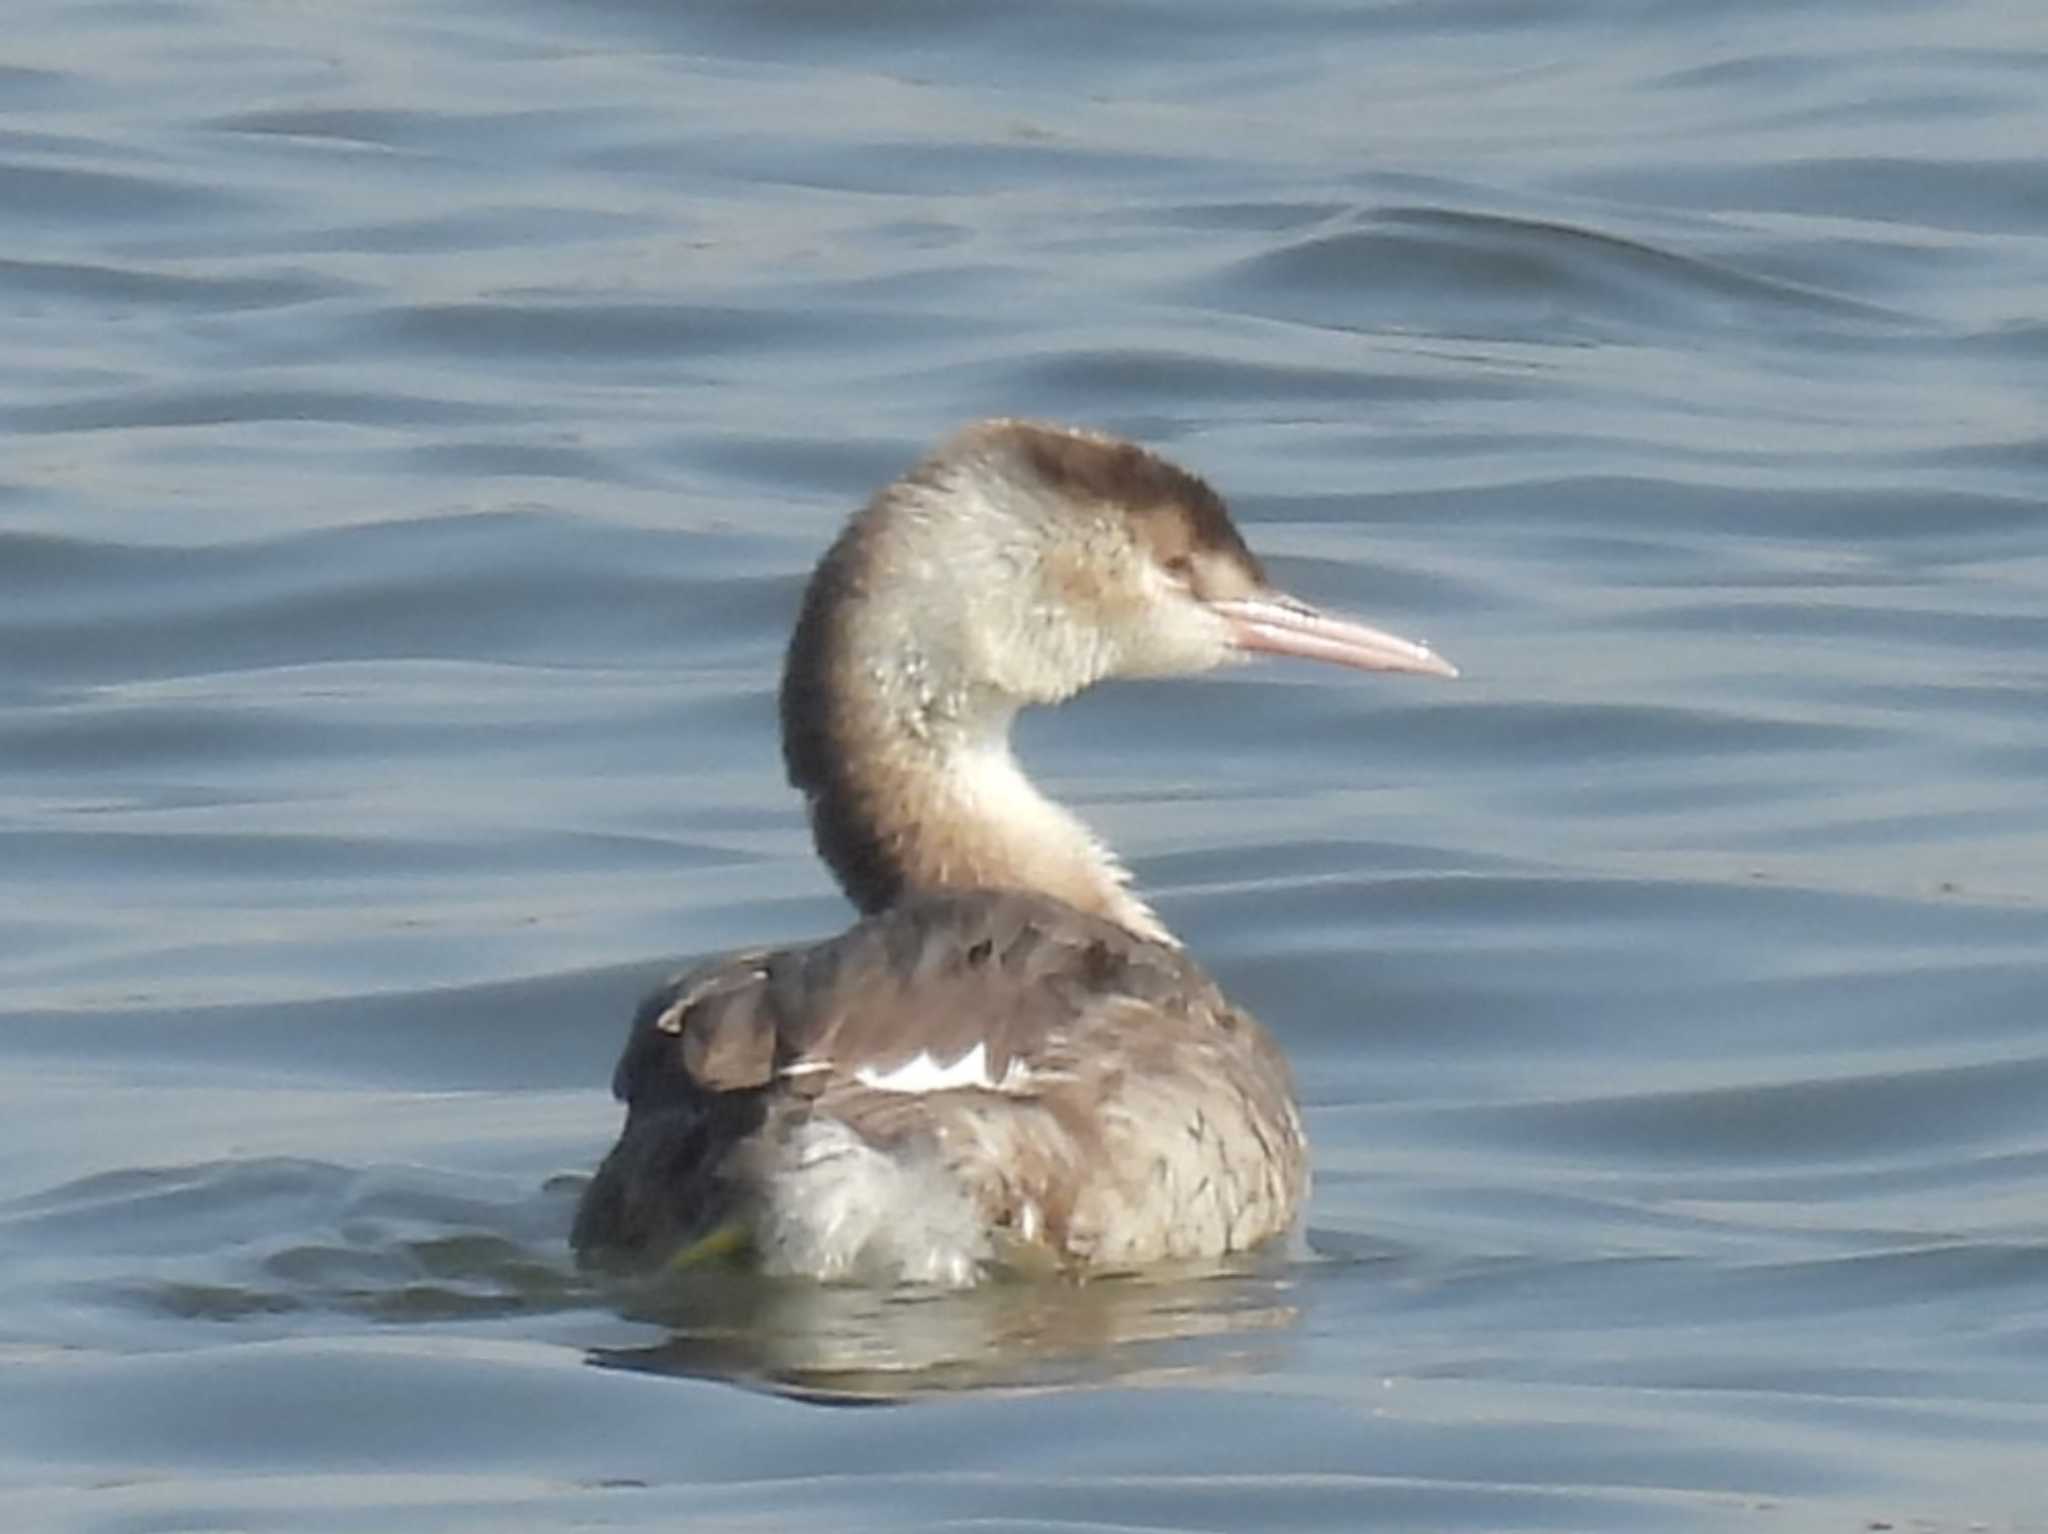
column 1008, row 1062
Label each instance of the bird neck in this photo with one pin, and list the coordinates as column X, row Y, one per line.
column 908, row 771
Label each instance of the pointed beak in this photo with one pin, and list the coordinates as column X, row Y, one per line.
column 1279, row 625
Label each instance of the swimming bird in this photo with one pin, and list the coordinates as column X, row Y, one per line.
column 1009, row 1062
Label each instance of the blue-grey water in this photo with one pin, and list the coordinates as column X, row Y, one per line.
column 418, row 420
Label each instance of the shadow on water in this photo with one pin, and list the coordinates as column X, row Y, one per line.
column 281, row 1246
column 848, row 1345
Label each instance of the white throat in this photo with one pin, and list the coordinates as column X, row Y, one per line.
column 1053, row 849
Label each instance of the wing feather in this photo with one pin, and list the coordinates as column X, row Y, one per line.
column 937, row 977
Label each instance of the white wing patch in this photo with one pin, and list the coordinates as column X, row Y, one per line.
column 921, row 1073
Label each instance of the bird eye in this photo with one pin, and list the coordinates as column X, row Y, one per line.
column 1180, row 568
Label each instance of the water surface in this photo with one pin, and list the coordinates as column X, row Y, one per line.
column 420, row 420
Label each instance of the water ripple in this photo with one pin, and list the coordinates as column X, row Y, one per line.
column 1551, row 281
